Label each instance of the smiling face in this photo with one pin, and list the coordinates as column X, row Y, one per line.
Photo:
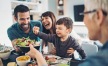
column 62, row 31
column 47, row 22
column 23, row 18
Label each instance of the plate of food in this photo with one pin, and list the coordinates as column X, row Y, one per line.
column 23, row 44
column 52, row 59
column 5, row 52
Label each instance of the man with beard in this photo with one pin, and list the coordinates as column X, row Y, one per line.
column 23, row 26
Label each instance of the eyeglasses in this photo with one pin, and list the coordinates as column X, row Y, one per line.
column 87, row 12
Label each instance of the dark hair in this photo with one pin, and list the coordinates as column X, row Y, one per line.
column 53, row 18
column 66, row 21
column 20, row 8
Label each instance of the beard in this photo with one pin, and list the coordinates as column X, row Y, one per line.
column 25, row 27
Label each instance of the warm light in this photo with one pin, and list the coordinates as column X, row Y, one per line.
column 61, row 2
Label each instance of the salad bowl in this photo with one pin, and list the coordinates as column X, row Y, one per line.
column 23, row 44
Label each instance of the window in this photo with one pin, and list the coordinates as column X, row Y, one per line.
column 77, row 10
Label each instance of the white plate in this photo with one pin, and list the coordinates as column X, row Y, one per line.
column 54, row 57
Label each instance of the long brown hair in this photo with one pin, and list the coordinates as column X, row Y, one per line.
column 53, row 18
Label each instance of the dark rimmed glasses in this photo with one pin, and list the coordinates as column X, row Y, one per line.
column 87, row 12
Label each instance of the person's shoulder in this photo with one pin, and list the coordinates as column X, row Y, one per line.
column 73, row 40
column 35, row 22
column 104, row 51
column 71, row 37
column 96, row 60
column 12, row 27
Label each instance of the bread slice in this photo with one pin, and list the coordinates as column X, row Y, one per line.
column 11, row 64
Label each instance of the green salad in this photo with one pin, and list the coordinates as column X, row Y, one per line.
column 24, row 42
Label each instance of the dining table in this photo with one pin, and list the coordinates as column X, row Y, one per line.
column 12, row 57
column 61, row 61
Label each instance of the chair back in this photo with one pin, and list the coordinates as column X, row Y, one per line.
column 89, row 49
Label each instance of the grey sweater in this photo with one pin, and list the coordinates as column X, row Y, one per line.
column 62, row 46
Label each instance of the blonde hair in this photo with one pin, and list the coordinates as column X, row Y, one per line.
column 96, row 4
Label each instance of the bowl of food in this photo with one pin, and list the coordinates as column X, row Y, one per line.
column 23, row 44
column 4, row 54
column 23, row 60
column 26, row 49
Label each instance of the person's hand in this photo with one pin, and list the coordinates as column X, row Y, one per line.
column 33, row 52
column 70, row 51
column 17, row 49
column 53, row 51
column 35, row 30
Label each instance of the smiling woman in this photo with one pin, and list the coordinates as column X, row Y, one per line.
column 48, row 20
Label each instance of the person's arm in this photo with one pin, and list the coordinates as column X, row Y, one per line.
column 45, row 37
column 17, row 49
column 70, row 51
column 38, row 24
column 12, row 34
column 78, row 48
column 14, row 43
column 53, row 51
column 36, row 54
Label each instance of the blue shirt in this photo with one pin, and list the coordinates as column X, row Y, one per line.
column 15, row 32
column 99, row 59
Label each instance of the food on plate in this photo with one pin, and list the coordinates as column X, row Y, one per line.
column 23, row 58
column 50, row 59
column 11, row 64
column 25, row 42
column 46, row 58
column 4, row 51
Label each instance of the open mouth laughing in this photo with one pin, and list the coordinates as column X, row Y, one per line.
column 25, row 27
